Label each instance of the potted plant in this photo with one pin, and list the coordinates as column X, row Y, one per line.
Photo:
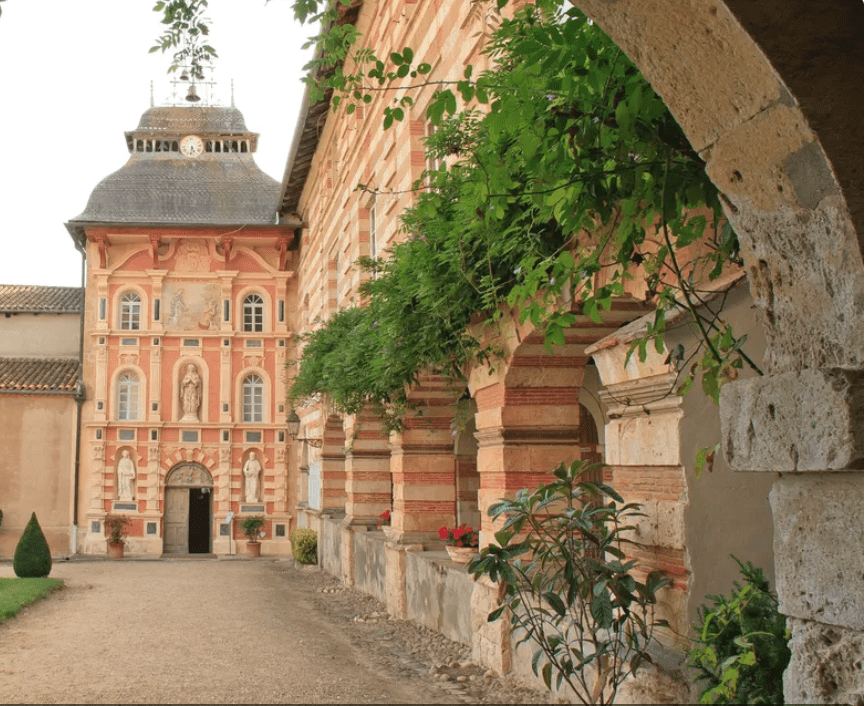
column 384, row 522
column 251, row 527
column 115, row 530
column 461, row 542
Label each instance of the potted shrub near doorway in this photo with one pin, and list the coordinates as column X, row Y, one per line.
column 251, row 527
column 115, row 530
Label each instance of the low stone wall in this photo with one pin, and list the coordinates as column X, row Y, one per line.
column 439, row 594
column 370, row 563
column 330, row 543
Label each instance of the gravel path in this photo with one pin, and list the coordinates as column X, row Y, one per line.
column 214, row 631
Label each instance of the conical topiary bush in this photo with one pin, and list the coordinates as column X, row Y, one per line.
column 32, row 555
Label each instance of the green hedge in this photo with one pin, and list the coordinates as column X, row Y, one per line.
column 32, row 556
column 304, row 545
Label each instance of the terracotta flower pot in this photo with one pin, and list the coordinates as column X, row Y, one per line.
column 115, row 550
column 461, row 555
column 254, row 548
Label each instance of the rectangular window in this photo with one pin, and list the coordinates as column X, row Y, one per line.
column 191, row 342
column 253, row 343
column 126, row 434
column 154, row 435
column 189, row 436
column 227, row 310
column 102, row 340
column 281, row 436
column 156, row 309
column 226, row 342
column 225, row 435
column 94, row 526
column 281, row 311
column 151, row 528
column 253, row 437
column 154, row 406
column 224, row 529
column 156, row 341
column 99, row 434
column 102, row 306
column 128, row 341
column 279, row 530
column 225, row 407
column 253, row 399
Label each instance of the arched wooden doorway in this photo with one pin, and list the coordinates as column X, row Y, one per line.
column 188, row 510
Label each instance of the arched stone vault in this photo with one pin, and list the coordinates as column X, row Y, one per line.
column 770, row 94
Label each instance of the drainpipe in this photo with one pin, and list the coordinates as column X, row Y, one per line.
column 79, row 401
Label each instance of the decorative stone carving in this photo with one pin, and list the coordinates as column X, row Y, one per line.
column 253, row 361
column 281, row 454
column 192, row 256
column 153, row 453
column 125, row 477
column 225, row 454
column 252, row 471
column 190, row 394
column 194, row 476
column 99, row 452
column 129, row 359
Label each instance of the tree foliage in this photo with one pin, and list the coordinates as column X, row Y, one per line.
column 568, row 585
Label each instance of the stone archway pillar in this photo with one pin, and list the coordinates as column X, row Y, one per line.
column 368, row 483
column 807, row 427
column 423, row 463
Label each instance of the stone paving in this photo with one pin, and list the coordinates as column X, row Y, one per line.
column 217, row 631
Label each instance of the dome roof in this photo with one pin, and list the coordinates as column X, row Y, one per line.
column 220, row 186
column 193, row 120
column 168, row 188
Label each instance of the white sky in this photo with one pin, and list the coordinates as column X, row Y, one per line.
column 74, row 76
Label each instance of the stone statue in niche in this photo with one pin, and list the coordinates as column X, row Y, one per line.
column 190, row 394
column 252, row 470
column 125, row 477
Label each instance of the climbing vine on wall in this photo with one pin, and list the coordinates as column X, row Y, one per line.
column 564, row 183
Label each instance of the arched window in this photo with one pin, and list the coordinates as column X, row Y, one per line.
column 254, row 313
column 130, row 311
column 127, row 396
column 254, row 399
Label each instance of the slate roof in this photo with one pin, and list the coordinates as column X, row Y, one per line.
column 24, row 375
column 165, row 187
column 34, row 299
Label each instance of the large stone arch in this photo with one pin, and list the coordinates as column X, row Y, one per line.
column 770, row 95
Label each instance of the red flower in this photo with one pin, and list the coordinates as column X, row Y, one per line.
column 443, row 533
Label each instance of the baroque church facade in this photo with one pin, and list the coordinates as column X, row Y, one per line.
column 189, row 289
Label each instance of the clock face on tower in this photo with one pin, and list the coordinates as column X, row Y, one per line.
column 191, row 146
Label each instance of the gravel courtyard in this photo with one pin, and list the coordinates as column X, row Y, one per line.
column 216, row 631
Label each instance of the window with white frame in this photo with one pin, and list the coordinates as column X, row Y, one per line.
column 127, row 396
column 130, row 311
column 254, row 313
column 253, row 394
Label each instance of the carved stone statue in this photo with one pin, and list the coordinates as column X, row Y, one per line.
column 125, row 477
column 252, row 470
column 190, row 394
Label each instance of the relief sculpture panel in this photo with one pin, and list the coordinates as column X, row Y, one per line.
column 192, row 307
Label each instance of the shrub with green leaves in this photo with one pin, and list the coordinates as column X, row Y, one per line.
column 304, row 543
column 32, row 556
column 567, row 585
column 741, row 644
